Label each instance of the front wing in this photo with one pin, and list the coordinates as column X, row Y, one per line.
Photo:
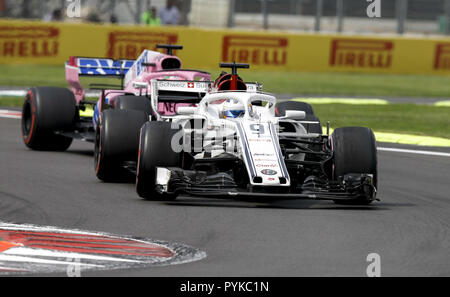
column 221, row 185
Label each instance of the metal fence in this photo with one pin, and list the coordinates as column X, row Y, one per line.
column 101, row 11
column 394, row 16
column 417, row 9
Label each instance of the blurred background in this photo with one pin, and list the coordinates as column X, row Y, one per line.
column 346, row 16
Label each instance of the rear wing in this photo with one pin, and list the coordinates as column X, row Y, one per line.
column 97, row 67
column 186, row 86
column 176, row 92
column 100, row 66
column 179, row 91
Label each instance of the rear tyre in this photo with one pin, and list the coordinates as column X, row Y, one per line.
column 45, row 111
column 129, row 102
column 354, row 151
column 116, row 142
column 281, row 108
column 155, row 150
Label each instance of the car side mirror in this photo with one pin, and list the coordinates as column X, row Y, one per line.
column 294, row 115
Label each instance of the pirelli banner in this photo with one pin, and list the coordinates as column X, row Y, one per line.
column 26, row 42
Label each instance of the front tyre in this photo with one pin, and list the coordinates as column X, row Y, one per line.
column 116, row 142
column 354, row 151
column 155, row 150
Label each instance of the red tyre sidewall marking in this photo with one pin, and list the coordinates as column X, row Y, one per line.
column 33, row 116
column 139, row 156
column 99, row 153
column 332, row 164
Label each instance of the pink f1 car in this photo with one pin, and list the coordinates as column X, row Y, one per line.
column 52, row 117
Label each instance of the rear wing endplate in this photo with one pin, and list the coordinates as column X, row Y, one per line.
column 97, row 67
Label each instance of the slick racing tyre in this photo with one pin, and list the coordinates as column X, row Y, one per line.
column 116, row 142
column 48, row 110
column 130, row 102
column 354, row 151
column 155, row 151
column 281, row 108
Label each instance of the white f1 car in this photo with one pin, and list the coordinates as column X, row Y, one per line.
column 236, row 141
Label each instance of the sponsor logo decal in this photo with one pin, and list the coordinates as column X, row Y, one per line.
column 36, row 249
column 129, row 44
column 173, row 84
column 261, row 139
column 442, row 57
column 263, row 154
column 268, row 172
column 269, row 51
column 88, row 66
column 180, row 85
column 29, row 41
column 267, row 165
column 361, row 53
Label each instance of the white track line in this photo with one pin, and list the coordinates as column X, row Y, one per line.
column 11, row 114
column 23, row 251
column 12, row 269
column 12, row 258
column 13, row 93
column 418, row 152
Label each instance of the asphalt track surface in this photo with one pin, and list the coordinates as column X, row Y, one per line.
column 409, row 228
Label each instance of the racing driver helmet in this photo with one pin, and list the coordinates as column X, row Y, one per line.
column 232, row 110
column 224, row 82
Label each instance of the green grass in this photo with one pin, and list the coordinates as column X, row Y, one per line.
column 31, row 76
column 413, row 119
column 340, row 84
column 11, row 101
